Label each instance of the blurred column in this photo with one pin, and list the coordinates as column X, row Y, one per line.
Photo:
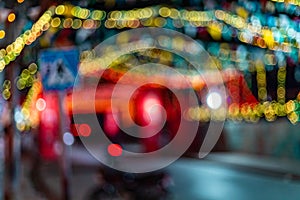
column 3, row 113
column 13, row 159
column 66, row 149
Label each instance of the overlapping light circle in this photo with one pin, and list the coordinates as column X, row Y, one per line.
column 194, row 53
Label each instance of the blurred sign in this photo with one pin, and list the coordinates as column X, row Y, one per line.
column 58, row 68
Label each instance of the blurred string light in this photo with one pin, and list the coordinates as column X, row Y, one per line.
column 14, row 49
column 293, row 110
column 271, row 6
column 6, row 94
column 281, row 78
column 31, row 107
column 27, row 77
column 242, row 57
column 250, row 31
column 292, row 2
column 222, row 53
column 237, row 111
column 261, row 81
column 248, row 112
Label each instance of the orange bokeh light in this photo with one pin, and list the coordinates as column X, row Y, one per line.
column 11, row 17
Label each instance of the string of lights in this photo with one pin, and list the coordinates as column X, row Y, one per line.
column 275, row 37
column 29, row 115
column 14, row 49
column 250, row 33
column 291, row 2
column 217, row 22
column 249, row 112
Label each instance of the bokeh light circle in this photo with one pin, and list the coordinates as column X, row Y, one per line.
column 146, row 39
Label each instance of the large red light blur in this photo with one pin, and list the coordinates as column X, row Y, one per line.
column 49, row 127
column 111, row 127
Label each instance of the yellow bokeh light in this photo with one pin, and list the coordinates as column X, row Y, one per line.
column 2, row 65
column 2, row 34
column 293, row 117
column 290, row 106
column 110, row 23
column 220, row 14
column 6, row 94
column 60, row 10
column 75, row 10
column 84, row 13
column 147, row 22
column 115, row 15
column 11, row 17
column 21, row 83
column 55, row 22
column 21, row 126
column 2, row 52
column 7, row 84
column 164, row 12
column 20, row 1
column 159, row 22
column 26, row 113
column 97, row 15
column 281, row 92
column 174, row 13
column 146, row 12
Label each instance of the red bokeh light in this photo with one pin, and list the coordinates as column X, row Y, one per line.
column 84, row 130
column 114, row 150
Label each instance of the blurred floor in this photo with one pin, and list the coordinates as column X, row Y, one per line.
column 219, row 177
column 27, row 190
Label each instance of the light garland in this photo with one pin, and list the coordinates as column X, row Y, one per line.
column 290, row 7
column 249, row 112
column 14, row 49
column 30, row 115
column 261, row 81
column 6, row 94
column 150, row 16
column 281, row 77
column 215, row 21
column 27, row 77
column 291, row 2
column 251, row 33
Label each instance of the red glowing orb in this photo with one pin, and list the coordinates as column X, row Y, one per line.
column 84, row 130
column 114, row 150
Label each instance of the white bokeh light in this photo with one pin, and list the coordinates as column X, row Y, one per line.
column 68, row 138
column 214, row 100
column 40, row 104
